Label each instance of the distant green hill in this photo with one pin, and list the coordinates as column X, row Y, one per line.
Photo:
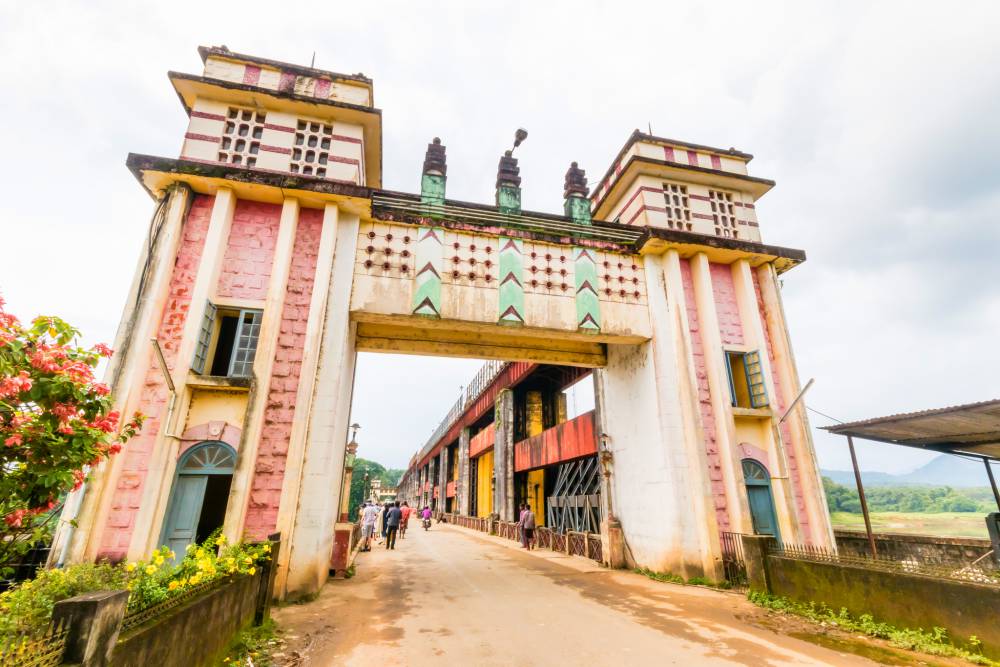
column 389, row 476
column 944, row 470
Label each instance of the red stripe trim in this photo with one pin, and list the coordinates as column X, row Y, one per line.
column 202, row 137
column 643, row 209
column 279, row 128
column 345, row 160
column 209, row 116
column 702, row 216
column 276, row 149
column 350, row 140
column 700, row 197
column 750, row 206
column 640, row 190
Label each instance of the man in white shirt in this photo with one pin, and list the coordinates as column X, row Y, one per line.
column 368, row 516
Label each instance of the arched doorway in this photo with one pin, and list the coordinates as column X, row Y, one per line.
column 199, row 494
column 762, row 514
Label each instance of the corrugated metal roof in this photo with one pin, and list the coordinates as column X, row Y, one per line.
column 973, row 428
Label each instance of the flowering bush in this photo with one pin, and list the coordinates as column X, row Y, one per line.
column 27, row 608
column 56, row 422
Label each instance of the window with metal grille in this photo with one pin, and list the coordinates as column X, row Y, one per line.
column 241, row 137
column 312, row 148
column 723, row 216
column 227, row 342
column 746, row 379
column 678, row 213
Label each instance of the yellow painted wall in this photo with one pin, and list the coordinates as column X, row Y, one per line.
column 535, row 422
column 536, row 497
column 484, row 491
column 214, row 406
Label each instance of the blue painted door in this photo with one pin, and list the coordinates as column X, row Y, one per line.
column 185, row 511
column 758, row 483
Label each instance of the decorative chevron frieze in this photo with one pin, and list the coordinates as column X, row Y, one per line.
column 588, row 305
column 511, row 296
column 427, row 277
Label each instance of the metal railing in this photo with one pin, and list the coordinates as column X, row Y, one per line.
column 479, row 383
column 42, row 650
column 136, row 616
column 734, row 566
column 983, row 573
column 573, row 543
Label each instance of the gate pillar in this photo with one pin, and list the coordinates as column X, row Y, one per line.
column 648, row 420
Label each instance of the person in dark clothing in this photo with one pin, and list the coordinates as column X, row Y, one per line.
column 393, row 517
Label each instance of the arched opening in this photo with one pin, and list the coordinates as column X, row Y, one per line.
column 758, row 483
column 199, row 494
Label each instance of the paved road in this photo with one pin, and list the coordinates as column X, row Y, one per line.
column 451, row 596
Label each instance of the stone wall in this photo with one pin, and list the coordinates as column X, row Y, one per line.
column 901, row 599
column 922, row 548
column 195, row 633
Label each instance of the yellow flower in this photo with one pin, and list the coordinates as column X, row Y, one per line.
column 248, row 560
column 173, row 585
column 267, row 548
column 130, row 567
column 195, row 579
column 220, row 540
column 158, row 560
column 150, row 569
column 253, row 571
column 171, row 555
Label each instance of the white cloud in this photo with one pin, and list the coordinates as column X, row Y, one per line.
column 878, row 120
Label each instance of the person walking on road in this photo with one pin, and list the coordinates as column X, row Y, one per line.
column 369, row 513
column 380, row 523
column 392, row 518
column 528, row 526
column 404, row 523
column 522, row 508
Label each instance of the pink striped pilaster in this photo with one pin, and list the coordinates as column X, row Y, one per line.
column 716, row 162
column 692, row 158
column 251, row 75
column 322, row 90
column 668, row 154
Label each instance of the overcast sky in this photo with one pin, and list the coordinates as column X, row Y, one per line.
column 879, row 121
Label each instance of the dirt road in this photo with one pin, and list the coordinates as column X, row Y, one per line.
column 451, row 596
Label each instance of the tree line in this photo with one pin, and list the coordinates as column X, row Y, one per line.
column 389, row 476
column 922, row 499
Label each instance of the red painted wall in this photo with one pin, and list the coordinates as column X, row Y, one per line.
column 705, row 400
column 482, row 442
column 117, row 532
column 570, row 440
column 724, row 291
column 246, row 267
column 795, row 471
column 269, row 471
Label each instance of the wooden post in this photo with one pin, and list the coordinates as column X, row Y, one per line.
column 993, row 481
column 861, row 495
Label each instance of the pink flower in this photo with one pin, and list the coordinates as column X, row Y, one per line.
column 14, row 440
column 64, row 410
column 66, row 430
column 101, row 389
column 103, row 350
column 78, row 478
column 13, row 386
column 15, row 518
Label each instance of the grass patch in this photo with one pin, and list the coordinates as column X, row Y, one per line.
column 256, row 643
column 935, row 642
column 351, row 571
column 938, row 524
column 671, row 578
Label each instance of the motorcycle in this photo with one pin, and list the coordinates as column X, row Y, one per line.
column 427, row 524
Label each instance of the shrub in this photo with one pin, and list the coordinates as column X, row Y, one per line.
column 27, row 608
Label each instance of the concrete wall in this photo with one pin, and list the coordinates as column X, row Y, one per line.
column 903, row 600
column 195, row 633
column 921, row 548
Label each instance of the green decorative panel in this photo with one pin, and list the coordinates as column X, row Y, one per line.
column 588, row 306
column 578, row 208
column 427, row 279
column 432, row 192
column 511, row 297
column 509, row 200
